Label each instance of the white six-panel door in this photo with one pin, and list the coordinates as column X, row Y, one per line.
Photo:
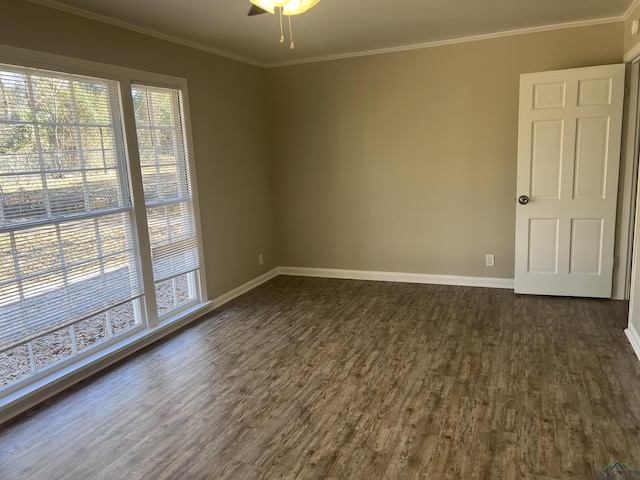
column 568, row 159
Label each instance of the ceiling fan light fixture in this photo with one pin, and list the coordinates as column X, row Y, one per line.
column 289, row 7
column 296, row 7
column 269, row 6
column 286, row 7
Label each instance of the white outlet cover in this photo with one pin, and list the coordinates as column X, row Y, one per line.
column 635, row 27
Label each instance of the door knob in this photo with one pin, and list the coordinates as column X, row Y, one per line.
column 523, row 199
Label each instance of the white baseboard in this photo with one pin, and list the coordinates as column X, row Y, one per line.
column 634, row 339
column 488, row 282
column 242, row 289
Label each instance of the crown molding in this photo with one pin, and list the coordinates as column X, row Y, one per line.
column 632, row 7
column 145, row 31
column 363, row 53
column 453, row 41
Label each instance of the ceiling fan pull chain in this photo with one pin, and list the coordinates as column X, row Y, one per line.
column 281, row 31
column 292, row 46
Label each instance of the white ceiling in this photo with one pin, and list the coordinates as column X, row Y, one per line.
column 336, row 27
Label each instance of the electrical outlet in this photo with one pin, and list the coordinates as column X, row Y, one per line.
column 490, row 260
column 260, row 259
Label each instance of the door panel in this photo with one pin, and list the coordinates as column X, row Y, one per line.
column 591, row 157
column 546, row 159
column 568, row 158
column 586, row 246
column 548, row 95
column 543, row 234
column 594, row 92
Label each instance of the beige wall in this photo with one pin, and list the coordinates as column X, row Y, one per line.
column 399, row 162
column 228, row 113
column 406, row 162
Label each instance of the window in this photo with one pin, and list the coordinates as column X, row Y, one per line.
column 167, row 193
column 72, row 270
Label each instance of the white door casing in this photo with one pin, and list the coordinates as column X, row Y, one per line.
column 569, row 135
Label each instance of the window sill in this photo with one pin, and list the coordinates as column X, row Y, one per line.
column 34, row 393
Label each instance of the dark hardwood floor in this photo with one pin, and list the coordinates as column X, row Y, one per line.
column 315, row 378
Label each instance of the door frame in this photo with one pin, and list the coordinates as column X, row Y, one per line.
column 632, row 151
column 628, row 181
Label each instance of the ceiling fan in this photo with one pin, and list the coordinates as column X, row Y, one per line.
column 282, row 7
column 286, row 7
column 256, row 10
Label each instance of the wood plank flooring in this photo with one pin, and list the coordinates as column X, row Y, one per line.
column 307, row 378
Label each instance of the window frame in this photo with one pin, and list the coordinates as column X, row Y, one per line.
column 184, row 159
column 34, row 388
column 124, row 209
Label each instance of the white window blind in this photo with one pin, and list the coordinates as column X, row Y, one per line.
column 166, row 181
column 67, row 237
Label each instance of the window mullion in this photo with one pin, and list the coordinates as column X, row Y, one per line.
column 154, row 143
column 139, row 212
column 16, row 267
column 3, row 221
column 104, row 157
column 74, row 340
column 63, row 265
column 36, row 133
column 100, row 251
column 32, row 357
column 109, row 325
column 174, row 285
column 78, row 135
